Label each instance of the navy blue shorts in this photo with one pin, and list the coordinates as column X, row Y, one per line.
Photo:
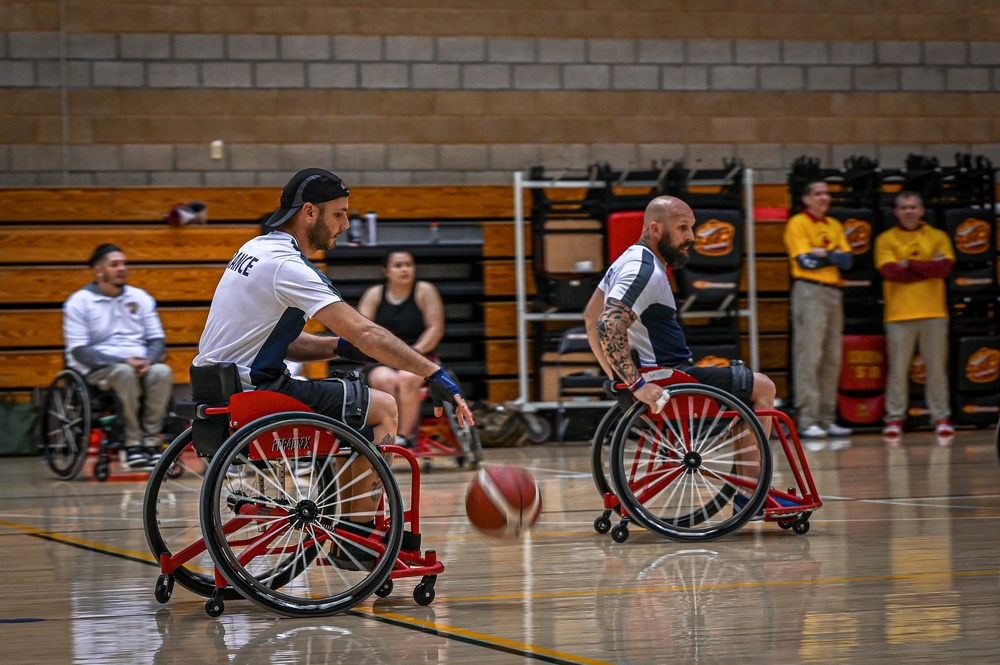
column 737, row 379
column 345, row 399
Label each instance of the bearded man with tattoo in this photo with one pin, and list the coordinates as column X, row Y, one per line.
column 632, row 316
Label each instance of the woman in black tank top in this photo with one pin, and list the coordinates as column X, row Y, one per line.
column 412, row 310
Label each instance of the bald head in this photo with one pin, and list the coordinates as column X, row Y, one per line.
column 662, row 209
column 668, row 229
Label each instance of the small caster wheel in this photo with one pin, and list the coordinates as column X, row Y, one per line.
column 214, row 607
column 101, row 471
column 384, row 590
column 801, row 527
column 164, row 588
column 423, row 593
column 426, row 467
column 602, row 524
column 460, row 461
column 785, row 524
column 619, row 534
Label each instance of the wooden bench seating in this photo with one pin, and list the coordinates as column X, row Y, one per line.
column 47, row 235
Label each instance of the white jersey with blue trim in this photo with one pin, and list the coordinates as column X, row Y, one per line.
column 639, row 279
column 267, row 293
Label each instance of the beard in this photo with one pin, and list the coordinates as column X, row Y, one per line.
column 674, row 255
column 321, row 237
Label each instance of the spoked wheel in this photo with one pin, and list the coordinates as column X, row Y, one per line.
column 600, row 454
column 292, row 528
column 698, row 470
column 66, row 424
column 467, row 437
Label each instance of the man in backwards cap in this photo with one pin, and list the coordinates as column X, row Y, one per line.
column 115, row 339
column 270, row 289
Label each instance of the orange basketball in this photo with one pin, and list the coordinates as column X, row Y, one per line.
column 503, row 501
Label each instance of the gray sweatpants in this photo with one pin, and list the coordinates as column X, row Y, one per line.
column 156, row 385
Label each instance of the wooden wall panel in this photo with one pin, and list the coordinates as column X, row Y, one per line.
column 36, row 369
column 61, row 244
column 150, row 204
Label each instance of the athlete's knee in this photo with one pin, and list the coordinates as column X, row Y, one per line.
column 764, row 391
column 382, row 409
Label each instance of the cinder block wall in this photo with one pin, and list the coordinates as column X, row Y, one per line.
column 113, row 92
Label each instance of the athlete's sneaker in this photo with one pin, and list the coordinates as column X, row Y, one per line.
column 833, row 429
column 943, row 429
column 136, row 458
column 813, row 432
column 348, row 555
column 893, row 429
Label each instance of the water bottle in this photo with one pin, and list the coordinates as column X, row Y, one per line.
column 371, row 219
column 434, row 233
column 354, row 232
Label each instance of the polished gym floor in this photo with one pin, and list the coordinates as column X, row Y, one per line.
column 901, row 564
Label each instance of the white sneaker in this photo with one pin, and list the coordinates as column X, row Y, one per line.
column 813, row 432
column 833, row 429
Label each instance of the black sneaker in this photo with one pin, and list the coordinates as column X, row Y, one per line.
column 136, row 458
column 348, row 555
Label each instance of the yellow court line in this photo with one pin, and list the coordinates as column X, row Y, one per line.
column 62, row 537
column 484, row 638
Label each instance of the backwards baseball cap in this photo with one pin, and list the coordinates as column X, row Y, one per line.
column 306, row 186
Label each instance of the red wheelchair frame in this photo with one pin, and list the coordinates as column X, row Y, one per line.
column 790, row 509
column 274, row 521
column 437, row 437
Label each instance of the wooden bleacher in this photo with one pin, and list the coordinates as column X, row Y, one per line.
column 47, row 235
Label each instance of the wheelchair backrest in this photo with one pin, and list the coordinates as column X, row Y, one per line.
column 213, row 385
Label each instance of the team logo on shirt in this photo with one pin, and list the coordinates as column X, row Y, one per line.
column 918, row 371
column 132, row 307
column 972, row 236
column 859, row 235
column 714, row 238
column 983, row 366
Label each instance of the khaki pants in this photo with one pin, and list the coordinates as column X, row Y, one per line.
column 902, row 338
column 817, row 329
column 156, row 385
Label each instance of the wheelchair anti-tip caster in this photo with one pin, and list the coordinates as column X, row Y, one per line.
column 164, row 588
column 214, row 606
column 423, row 593
column 384, row 590
column 619, row 534
column 603, row 523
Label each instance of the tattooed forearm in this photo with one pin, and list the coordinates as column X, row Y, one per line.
column 612, row 331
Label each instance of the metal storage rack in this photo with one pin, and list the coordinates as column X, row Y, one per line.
column 523, row 403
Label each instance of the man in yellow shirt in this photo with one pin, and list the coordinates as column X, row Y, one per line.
column 914, row 259
column 818, row 251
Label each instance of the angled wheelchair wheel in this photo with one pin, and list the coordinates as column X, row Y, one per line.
column 170, row 515
column 66, row 424
column 467, row 437
column 600, row 452
column 280, row 518
column 698, row 470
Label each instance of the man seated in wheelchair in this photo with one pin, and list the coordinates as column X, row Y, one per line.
column 114, row 337
column 270, row 289
column 632, row 317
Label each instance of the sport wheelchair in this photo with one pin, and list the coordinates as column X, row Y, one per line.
column 267, row 520
column 79, row 418
column 698, row 470
column 442, row 436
